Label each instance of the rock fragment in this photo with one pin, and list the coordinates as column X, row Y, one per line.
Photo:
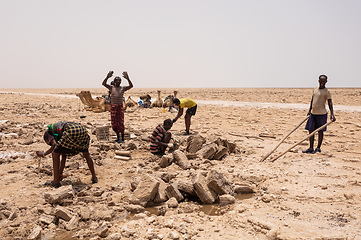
column 226, row 199
column 218, row 183
column 181, row 159
column 172, row 191
column 57, row 195
column 145, row 191
column 208, row 151
column 194, row 143
column 207, row 195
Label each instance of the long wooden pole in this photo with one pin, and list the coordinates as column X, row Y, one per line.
column 309, row 135
column 294, row 129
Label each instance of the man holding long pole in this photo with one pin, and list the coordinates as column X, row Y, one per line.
column 318, row 113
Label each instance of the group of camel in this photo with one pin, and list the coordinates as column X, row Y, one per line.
column 101, row 104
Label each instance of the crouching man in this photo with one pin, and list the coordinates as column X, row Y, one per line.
column 161, row 137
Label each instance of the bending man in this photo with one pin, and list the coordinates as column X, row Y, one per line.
column 191, row 111
column 67, row 139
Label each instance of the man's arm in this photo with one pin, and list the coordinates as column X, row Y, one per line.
column 180, row 113
column 330, row 106
column 126, row 76
column 109, row 75
column 161, row 144
column 50, row 150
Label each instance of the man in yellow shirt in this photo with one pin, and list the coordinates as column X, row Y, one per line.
column 191, row 111
column 318, row 113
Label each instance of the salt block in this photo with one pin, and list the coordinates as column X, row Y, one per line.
column 63, row 213
column 207, row 195
column 57, row 195
column 194, row 143
column 218, row 183
column 186, row 186
column 221, row 151
column 145, row 191
column 172, row 191
column 181, row 159
column 208, row 151
column 161, row 195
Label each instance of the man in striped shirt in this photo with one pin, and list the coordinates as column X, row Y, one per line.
column 160, row 138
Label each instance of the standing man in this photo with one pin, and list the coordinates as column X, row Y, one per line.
column 191, row 111
column 116, row 102
column 318, row 113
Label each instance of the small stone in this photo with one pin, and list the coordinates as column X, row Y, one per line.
column 172, row 202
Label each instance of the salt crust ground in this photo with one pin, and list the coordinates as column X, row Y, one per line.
column 299, row 196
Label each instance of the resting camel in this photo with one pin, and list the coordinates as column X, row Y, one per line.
column 95, row 105
column 130, row 102
column 158, row 102
column 168, row 101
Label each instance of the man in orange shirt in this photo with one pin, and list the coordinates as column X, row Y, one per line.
column 318, row 113
column 191, row 111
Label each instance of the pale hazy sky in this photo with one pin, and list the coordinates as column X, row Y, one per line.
column 184, row 43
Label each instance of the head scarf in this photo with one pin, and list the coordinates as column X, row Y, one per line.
column 53, row 132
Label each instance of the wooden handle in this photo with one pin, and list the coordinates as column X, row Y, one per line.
column 294, row 129
column 308, row 136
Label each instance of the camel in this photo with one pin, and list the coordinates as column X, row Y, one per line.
column 96, row 105
column 88, row 106
column 168, row 101
column 158, row 102
column 130, row 102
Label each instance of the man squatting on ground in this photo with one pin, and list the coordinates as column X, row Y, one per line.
column 318, row 113
column 116, row 103
column 160, row 138
column 191, row 111
column 66, row 139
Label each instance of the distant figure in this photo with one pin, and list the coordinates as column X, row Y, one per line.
column 161, row 137
column 116, row 101
column 318, row 113
column 145, row 101
column 66, row 139
column 191, row 111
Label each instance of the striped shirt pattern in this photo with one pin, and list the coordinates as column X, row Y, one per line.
column 158, row 133
column 116, row 95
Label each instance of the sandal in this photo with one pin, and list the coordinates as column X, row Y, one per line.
column 94, row 180
column 317, row 150
column 310, row 150
column 51, row 184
